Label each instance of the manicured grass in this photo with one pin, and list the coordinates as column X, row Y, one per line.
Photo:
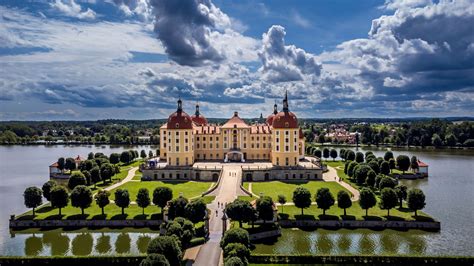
column 94, row 212
column 353, row 213
column 247, row 198
column 207, row 199
column 138, row 176
column 286, row 188
column 246, row 185
column 189, row 189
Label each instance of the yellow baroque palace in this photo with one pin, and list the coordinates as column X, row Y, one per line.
column 186, row 139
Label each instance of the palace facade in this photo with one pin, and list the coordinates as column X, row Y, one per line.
column 186, row 139
column 192, row 148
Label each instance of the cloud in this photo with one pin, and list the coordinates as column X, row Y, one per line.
column 72, row 9
column 185, row 28
column 299, row 20
column 280, row 62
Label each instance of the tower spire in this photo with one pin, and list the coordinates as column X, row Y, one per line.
column 275, row 108
column 286, row 109
column 180, row 105
column 197, row 113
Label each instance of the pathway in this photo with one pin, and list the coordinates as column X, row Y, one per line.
column 331, row 176
column 130, row 175
column 228, row 190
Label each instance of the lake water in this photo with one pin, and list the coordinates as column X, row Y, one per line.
column 449, row 192
column 24, row 166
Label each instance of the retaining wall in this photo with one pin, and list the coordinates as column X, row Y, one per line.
column 400, row 225
column 50, row 224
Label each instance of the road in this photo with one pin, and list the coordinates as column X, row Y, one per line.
column 228, row 190
column 331, row 176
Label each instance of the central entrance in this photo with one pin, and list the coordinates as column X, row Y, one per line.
column 234, row 156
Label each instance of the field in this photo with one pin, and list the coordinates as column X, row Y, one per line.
column 190, row 189
column 286, row 188
column 353, row 213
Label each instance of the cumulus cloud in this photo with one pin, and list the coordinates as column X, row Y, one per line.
column 282, row 62
column 72, row 9
column 185, row 28
column 417, row 50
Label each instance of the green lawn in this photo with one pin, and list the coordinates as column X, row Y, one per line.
column 353, row 213
column 247, row 198
column 94, row 212
column 286, row 188
column 189, row 189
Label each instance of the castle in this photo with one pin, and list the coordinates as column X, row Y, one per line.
column 186, row 140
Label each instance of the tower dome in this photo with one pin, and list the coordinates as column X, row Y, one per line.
column 270, row 117
column 179, row 119
column 285, row 118
column 197, row 118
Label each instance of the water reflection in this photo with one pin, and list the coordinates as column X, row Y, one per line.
column 416, row 244
column 103, row 244
column 33, row 246
column 82, row 244
column 142, row 243
column 59, row 243
column 366, row 244
column 388, row 243
column 122, row 244
column 324, row 243
column 344, row 243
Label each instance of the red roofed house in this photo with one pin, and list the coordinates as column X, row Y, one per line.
column 422, row 169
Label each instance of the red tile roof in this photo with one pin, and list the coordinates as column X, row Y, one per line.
column 422, row 164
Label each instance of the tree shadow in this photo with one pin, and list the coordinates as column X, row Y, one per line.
column 156, row 216
column 404, row 209
column 78, row 216
column 99, row 217
column 55, row 217
column 348, row 217
column 26, row 217
column 119, row 217
column 372, row 218
column 305, row 217
column 283, row 216
column 394, row 218
column 44, row 209
column 327, row 217
column 140, row 217
column 422, row 218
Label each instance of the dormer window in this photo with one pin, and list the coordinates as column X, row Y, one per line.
column 177, row 125
column 287, row 124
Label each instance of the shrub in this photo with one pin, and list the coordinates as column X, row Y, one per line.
column 155, row 260
column 237, row 250
column 361, row 172
column 76, row 179
column 168, row 246
column 387, row 181
column 177, row 207
column 235, row 235
column 234, row 261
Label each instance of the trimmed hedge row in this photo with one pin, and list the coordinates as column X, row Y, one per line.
column 73, row 261
column 351, row 259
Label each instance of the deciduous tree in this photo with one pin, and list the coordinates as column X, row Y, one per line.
column 122, row 199
column 302, row 198
column 367, row 200
column 168, row 246
column 344, row 200
column 324, row 199
column 264, row 206
column 161, row 196
column 403, row 163
column 47, row 187
column 388, row 199
column 333, row 154
column 143, row 199
column 416, row 200
column 59, row 197
column 33, row 198
column 195, row 210
column 102, row 199
column 76, row 179
column 81, row 197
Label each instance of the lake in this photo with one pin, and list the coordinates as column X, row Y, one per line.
column 24, row 166
column 449, row 193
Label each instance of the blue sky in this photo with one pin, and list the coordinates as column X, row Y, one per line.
column 132, row 59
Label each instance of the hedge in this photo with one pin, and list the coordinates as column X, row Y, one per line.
column 73, row 261
column 197, row 241
column 361, row 259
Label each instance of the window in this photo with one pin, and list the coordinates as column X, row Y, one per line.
column 164, row 145
column 203, row 138
column 287, row 161
column 177, row 126
column 177, row 134
column 197, row 146
column 252, row 146
column 164, row 132
column 264, row 145
column 210, row 145
column 177, row 148
column 225, row 145
column 171, row 175
column 210, row 138
column 186, row 133
column 278, row 161
column 245, row 145
column 258, row 138
column 278, row 147
column 187, row 161
column 204, row 145
column 186, row 140
column 177, row 140
column 211, row 156
column 186, row 148
column 258, row 145
column 277, row 140
column 287, row 148
column 197, row 138
column 217, row 145
column 286, row 140
column 277, row 133
column 177, row 160
column 286, row 132
column 163, row 175
column 217, row 138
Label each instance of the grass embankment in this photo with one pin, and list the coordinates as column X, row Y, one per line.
column 353, row 213
column 286, row 188
column 189, row 189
